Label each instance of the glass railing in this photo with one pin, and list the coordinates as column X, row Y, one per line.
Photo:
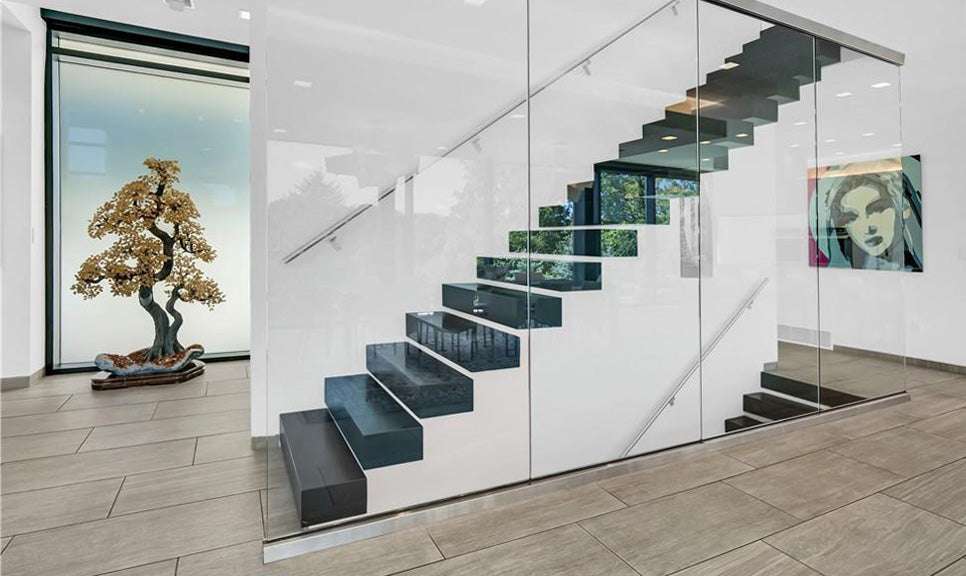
column 546, row 236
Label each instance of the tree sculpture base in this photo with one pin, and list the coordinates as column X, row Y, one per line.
column 108, row 381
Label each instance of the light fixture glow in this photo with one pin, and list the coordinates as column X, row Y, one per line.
column 843, row 94
column 518, row 116
column 669, row 138
column 729, row 65
column 244, row 14
column 475, row 2
column 741, row 135
column 662, row 151
column 830, row 141
column 801, row 123
column 867, row 134
column 882, row 85
column 796, row 146
column 897, row 145
column 705, row 142
column 706, row 159
column 302, row 84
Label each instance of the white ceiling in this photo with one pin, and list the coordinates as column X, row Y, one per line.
column 214, row 19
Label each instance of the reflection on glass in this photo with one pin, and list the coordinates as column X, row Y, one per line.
column 609, row 243
column 554, row 275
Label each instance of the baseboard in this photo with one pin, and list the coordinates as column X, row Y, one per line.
column 909, row 360
column 17, row 382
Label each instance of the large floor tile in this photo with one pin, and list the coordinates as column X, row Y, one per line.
column 71, row 419
column 917, row 376
column 786, row 446
column 814, row 484
column 218, row 371
column 51, row 386
column 228, row 387
column 28, row 406
column 190, row 484
column 376, row 557
column 166, row 429
column 136, row 539
column 877, row 536
column 52, row 507
column 675, row 532
column 925, row 403
column 484, row 529
column 202, row 405
column 61, row 470
column 951, row 425
column 689, row 472
column 13, row 448
column 941, row 491
column 140, row 395
column 756, row 559
column 867, row 424
column 905, row 451
column 953, row 387
column 567, row 551
column 226, row 447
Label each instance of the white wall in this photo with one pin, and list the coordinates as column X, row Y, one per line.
column 23, row 191
column 932, row 37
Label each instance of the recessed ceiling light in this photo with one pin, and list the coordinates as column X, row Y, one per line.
column 729, row 65
column 518, row 116
column 280, row 131
column 867, row 134
column 741, row 135
column 244, row 14
column 882, row 85
column 662, row 151
column 705, row 142
column 830, row 141
column 475, row 2
column 801, row 123
column 706, row 159
column 897, row 145
column 669, row 138
column 302, row 84
column 796, row 145
column 843, row 94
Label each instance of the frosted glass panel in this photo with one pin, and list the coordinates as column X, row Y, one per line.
column 110, row 120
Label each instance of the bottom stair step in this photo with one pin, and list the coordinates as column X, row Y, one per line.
column 327, row 482
column 741, row 422
column 774, row 407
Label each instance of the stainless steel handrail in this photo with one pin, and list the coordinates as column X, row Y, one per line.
column 673, row 392
column 331, row 230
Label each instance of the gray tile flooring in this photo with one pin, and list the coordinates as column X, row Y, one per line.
column 164, row 482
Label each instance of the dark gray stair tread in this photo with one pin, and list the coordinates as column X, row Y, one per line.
column 774, row 407
column 553, row 275
column 469, row 344
column 749, row 108
column 806, row 390
column 713, row 158
column 741, row 422
column 327, row 482
column 377, row 428
column 725, row 84
column 504, row 306
column 425, row 385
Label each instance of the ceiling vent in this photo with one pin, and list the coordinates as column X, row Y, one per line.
column 180, row 5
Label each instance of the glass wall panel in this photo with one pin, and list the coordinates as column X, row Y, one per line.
column 613, row 186
column 759, row 296
column 109, row 120
column 397, row 322
column 866, row 197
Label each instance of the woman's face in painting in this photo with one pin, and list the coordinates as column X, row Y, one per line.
column 870, row 219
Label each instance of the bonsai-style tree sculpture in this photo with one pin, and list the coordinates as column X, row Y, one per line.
column 158, row 241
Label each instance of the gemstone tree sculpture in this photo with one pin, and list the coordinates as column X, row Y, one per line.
column 158, row 241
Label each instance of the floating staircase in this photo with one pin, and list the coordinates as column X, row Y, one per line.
column 374, row 420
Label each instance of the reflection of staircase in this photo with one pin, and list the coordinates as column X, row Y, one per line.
column 374, row 420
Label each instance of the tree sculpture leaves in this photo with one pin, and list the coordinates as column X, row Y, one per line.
column 158, row 240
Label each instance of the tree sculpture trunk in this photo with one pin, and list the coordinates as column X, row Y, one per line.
column 171, row 338
column 159, row 349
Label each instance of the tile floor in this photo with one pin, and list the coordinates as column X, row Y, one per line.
column 164, row 482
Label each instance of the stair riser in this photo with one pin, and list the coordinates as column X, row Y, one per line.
column 425, row 385
column 504, row 306
column 471, row 345
column 773, row 408
column 807, row 391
